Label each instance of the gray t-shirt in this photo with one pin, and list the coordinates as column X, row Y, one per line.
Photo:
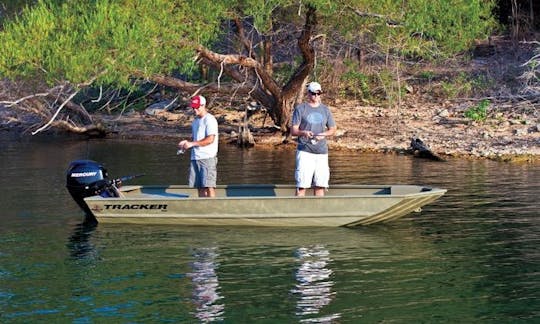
column 201, row 128
column 316, row 119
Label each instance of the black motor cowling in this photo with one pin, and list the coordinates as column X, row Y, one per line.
column 85, row 178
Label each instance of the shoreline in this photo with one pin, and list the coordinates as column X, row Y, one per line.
column 367, row 129
column 362, row 129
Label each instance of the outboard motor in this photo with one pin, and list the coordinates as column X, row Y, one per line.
column 85, row 178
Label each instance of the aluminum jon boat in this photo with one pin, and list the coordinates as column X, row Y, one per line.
column 245, row 204
column 261, row 205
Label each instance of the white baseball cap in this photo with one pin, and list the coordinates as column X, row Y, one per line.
column 314, row 87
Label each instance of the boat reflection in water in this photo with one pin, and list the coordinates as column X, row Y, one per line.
column 206, row 286
column 314, row 284
column 80, row 245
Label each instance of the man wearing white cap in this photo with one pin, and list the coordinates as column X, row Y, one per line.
column 312, row 123
column 204, row 145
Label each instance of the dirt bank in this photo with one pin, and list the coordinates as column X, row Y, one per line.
column 442, row 127
column 505, row 135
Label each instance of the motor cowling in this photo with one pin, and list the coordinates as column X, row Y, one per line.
column 85, row 178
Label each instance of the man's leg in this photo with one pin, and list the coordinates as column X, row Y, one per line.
column 322, row 175
column 300, row 192
column 305, row 168
column 318, row 191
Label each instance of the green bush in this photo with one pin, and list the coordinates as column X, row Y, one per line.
column 478, row 112
column 357, row 83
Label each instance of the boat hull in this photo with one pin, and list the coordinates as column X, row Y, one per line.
column 261, row 205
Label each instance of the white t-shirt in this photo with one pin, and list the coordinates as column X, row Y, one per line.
column 201, row 128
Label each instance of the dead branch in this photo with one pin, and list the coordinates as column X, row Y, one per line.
column 98, row 129
column 57, row 95
column 32, row 96
column 248, row 45
column 55, row 114
column 241, row 60
column 531, row 77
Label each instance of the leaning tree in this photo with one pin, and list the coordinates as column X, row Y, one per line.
column 261, row 49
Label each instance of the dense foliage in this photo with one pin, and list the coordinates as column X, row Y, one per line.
column 58, row 40
column 78, row 40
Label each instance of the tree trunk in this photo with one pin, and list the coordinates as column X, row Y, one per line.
column 258, row 82
column 292, row 92
column 268, row 60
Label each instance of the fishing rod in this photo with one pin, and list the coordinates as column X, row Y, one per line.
column 118, row 182
column 109, row 188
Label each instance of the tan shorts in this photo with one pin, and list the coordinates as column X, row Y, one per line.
column 311, row 170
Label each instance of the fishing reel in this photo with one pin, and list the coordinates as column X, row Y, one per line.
column 106, row 188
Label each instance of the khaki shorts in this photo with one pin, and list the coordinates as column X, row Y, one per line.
column 311, row 170
column 203, row 173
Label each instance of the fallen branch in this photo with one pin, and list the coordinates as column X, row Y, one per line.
column 95, row 130
column 55, row 114
column 32, row 96
column 389, row 22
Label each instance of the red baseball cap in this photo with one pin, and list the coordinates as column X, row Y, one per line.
column 197, row 102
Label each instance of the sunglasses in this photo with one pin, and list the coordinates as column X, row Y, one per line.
column 315, row 93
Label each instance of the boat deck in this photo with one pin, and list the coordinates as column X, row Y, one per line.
column 228, row 191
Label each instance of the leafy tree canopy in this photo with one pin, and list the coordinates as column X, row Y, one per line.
column 76, row 41
column 113, row 40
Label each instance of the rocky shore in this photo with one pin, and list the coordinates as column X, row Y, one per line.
column 506, row 134
column 443, row 128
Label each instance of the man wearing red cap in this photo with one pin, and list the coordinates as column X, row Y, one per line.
column 204, row 145
column 312, row 122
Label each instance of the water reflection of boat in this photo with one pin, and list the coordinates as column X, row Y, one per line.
column 314, row 284
column 79, row 243
column 303, row 274
column 206, row 286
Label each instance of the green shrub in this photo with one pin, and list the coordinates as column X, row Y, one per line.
column 357, row 83
column 478, row 112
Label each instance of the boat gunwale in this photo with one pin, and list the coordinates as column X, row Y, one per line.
column 155, row 197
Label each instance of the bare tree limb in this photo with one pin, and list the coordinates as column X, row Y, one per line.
column 244, row 61
column 248, row 45
column 55, row 114
column 65, row 102
column 63, row 124
column 32, row 96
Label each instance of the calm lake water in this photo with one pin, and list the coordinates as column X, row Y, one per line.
column 471, row 257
